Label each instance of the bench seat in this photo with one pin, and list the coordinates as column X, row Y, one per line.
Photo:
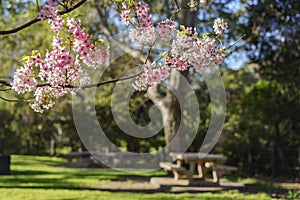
column 220, row 167
column 177, row 170
column 218, row 170
column 223, row 167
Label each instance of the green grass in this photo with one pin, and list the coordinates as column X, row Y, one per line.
column 37, row 194
column 35, row 177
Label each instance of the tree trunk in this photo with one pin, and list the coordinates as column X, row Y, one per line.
column 168, row 104
column 274, row 159
column 52, row 147
column 250, row 162
column 28, row 149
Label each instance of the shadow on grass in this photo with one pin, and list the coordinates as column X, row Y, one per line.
column 261, row 186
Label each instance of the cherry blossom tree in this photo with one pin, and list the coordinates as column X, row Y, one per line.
column 52, row 73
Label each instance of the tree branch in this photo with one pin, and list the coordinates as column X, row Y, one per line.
column 4, row 90
column 5, row 83
column 15, row 100
column 176, row 3
column 84, row 87
column 112, row 80
column 94, row 84
column 33, row 21
column 9, row 100
column 154, row 94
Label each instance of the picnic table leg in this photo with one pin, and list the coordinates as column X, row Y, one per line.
column 191, row 171
column 201, row 172
column 179, row 163
column 215, row 174
column 176, row 175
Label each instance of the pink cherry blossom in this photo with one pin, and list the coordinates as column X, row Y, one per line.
column 153, row 73
column 24, row 80
column 166, row 29
column 61, row 70
column 190, row 50
column 48, row 12
column 220, row 26
column 143, row 36
column 187, row 48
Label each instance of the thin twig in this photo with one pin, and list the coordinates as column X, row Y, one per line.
column 234, row 44
column 5, row 83
column 33, row 21
column 176, row 3
column 37, row 5
column 175, row 13
column 10, row 100
column 5, row 90
column 112, row 80
column 16, row 100
column 236, row 41
column 148, row 54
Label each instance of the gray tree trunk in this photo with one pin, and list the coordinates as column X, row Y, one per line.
column 168, row 104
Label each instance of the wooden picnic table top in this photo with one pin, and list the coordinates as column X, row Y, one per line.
column 189, row 156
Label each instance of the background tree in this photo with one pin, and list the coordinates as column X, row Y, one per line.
column 264, row 112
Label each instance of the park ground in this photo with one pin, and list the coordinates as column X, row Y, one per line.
column 38, row 177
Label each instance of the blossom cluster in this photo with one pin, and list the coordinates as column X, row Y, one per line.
column 151, row 74
column 144, row 32
column 166, row 29
column 82, row 45
column 60, row 71
column 187, row 49
column 50, row 12
column 220, row 26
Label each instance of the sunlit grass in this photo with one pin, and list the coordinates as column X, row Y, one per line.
column 51, row 194
column 35, row 177
column 50, row 172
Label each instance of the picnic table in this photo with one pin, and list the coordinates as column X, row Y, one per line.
column 203, row 162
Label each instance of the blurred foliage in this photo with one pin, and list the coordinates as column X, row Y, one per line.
column 262, row 129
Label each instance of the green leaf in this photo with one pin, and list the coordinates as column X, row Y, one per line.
column 182, row 28
column 162, row 54
column 65, row 16
column 99, row 41
column 205, row 35
column 25, row 58
column 34, row 52
column 77, row 16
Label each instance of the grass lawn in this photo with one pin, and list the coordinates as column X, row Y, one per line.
column 37, row 178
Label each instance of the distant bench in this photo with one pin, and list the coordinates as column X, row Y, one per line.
column 219, row 169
